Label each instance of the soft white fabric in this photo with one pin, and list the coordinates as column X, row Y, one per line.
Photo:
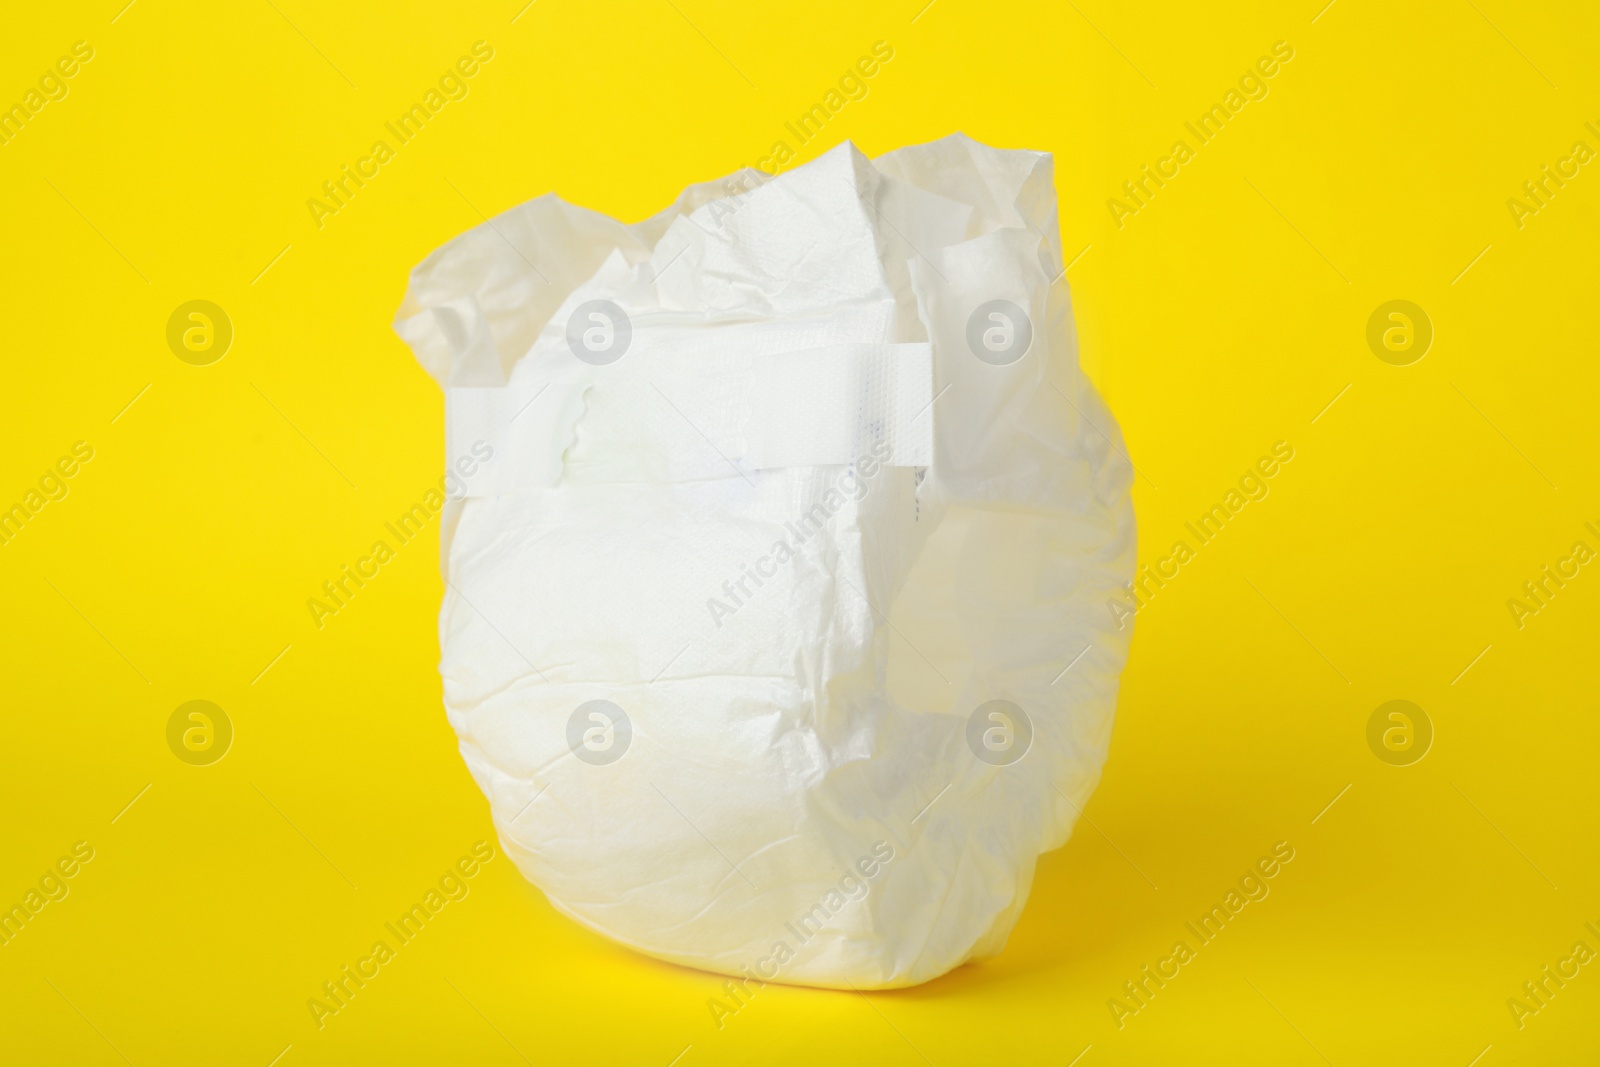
column 798, row 800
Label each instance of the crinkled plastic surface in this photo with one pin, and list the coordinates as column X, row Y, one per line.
column 754, row 554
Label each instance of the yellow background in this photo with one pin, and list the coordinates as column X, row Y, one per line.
column 1224, row 316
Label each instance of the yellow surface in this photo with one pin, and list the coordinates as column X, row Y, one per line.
column 1223, row 316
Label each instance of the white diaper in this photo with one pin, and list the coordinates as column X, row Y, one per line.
column 775, row 623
